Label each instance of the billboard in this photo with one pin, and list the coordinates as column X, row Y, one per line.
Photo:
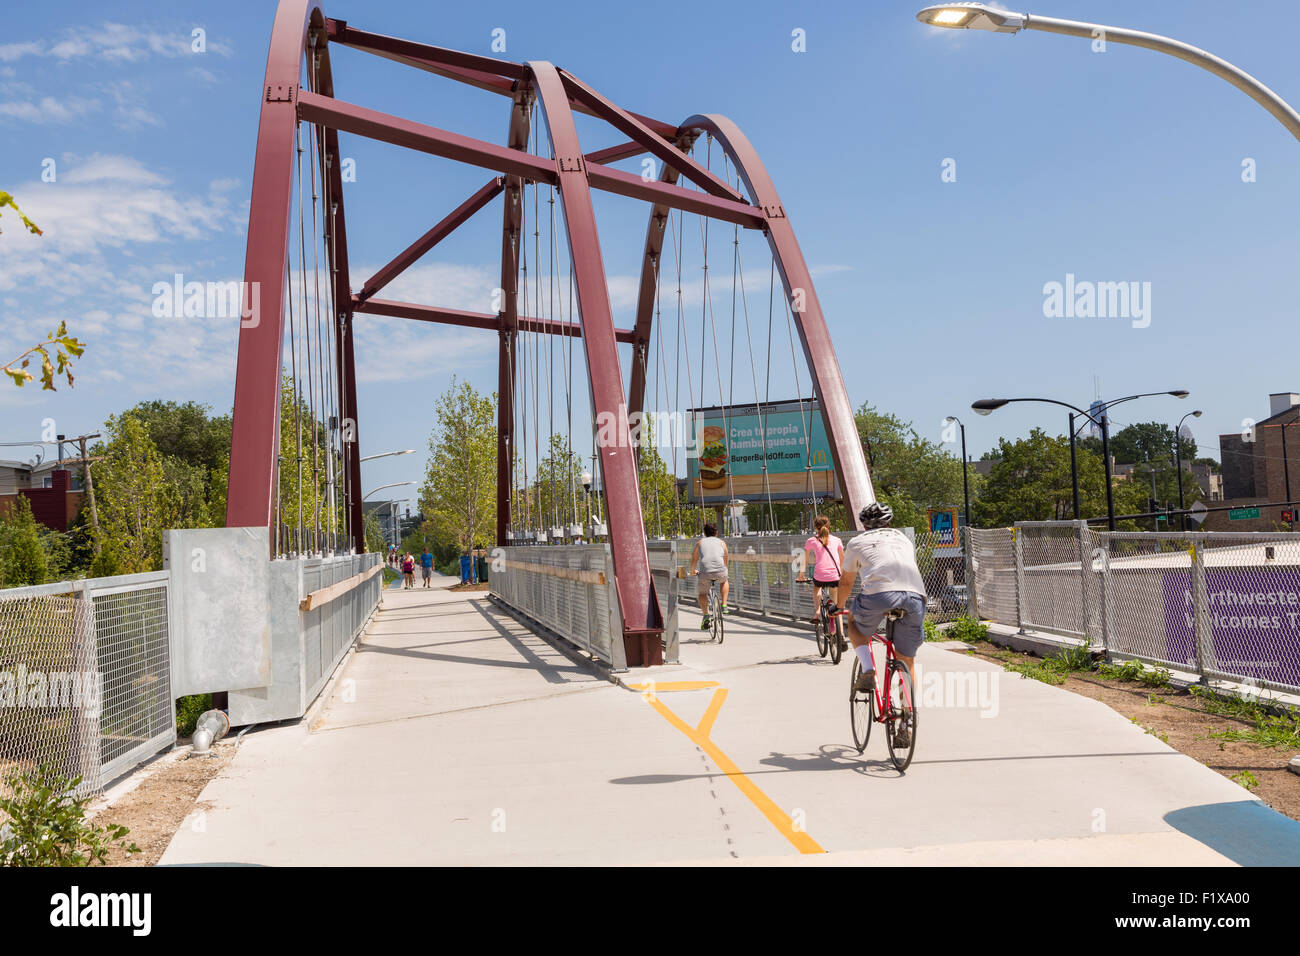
column 733, row 442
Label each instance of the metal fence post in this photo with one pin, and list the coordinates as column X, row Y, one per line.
column 1085, row 567
column 1017, row 542
column 1202, row 642
column 1107, row 625
column 972, row 592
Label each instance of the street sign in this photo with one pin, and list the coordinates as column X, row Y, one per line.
column 1242, row 514
column 1197, row 512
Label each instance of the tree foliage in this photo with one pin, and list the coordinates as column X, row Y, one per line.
column 22, row 557
column 136, row 501
column 458, row 496
column 910, row 473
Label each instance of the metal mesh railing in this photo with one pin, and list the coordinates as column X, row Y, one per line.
column 565, row 588
column 329, row 630
column 85, row 676
column 993, row 560
column 1221, row 605
column 1053, row 564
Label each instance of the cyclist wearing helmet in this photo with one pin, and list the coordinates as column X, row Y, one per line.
column 886, row 559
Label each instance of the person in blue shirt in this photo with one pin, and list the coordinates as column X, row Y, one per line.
column 426, row 567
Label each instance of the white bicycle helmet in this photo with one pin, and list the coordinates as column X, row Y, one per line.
column 876, row 515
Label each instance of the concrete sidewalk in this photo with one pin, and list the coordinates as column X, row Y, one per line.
column 455, row 736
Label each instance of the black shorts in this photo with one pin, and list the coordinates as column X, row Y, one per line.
column 826, row 584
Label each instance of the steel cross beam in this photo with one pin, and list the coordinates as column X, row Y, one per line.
column 476, row 320
column 486, row 73
column 350, row 118
column 633, row 581
column 449, row 224
column 462, row 213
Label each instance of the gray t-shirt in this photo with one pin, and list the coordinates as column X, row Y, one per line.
column 711, row 555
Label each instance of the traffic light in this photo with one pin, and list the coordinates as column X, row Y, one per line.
column 1288, row 516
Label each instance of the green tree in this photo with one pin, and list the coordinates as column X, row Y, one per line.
column 22, row 556
column 910, row 473
column 458, row 496
column 1148, row 440
column 557, row 487
column 1031, row 482
column 136, row 503
column 659, row 498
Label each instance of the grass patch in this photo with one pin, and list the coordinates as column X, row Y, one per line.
column 1246, row 779
column 1133, row 672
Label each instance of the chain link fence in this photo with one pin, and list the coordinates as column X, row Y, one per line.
column 85, row 676
column 1220, row 605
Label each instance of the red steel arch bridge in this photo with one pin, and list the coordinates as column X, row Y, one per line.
column 301, row 324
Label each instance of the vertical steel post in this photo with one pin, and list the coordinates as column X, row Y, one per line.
column 1017, row 541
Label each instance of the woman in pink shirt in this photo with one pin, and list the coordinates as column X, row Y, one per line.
column 826, row 554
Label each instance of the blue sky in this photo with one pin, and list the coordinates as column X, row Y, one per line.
column 1117, row 166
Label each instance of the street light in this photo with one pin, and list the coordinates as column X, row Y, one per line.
column 385, row 454
column 965, row 484
column 977, row 16
column 1178, row 459
column 986, row 406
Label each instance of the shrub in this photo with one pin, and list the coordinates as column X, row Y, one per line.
column 189, row 710
column 47, row 823
column 968, row 629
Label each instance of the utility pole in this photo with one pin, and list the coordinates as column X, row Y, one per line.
column 85, row 461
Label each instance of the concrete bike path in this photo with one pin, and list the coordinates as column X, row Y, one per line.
column 456, row 736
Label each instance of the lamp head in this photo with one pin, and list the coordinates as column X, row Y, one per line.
column 1180, row 393
column 986, row 406
column 972, row 16
column 586, row 480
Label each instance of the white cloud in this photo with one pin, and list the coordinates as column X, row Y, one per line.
column 48, row 109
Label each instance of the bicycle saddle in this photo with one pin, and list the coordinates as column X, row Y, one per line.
column 896, row 613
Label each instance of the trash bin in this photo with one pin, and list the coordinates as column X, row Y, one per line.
column 482, row 569
column 464, row 569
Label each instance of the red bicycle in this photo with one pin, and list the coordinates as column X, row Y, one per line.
column 893, row 705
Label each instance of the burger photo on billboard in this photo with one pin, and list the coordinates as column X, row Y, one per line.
column 713, row 458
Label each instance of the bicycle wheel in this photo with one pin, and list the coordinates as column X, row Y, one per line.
column 901, row 701
column 718, row 631
column 862, row 709
column 835, row 638
column 822, row 644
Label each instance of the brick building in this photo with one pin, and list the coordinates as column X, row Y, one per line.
column 53, row 491
column 1258, row 463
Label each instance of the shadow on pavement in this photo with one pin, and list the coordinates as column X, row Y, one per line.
column 1245, row 831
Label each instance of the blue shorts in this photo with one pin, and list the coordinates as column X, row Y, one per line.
column 869, row 615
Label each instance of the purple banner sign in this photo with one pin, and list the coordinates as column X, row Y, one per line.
column 1254, row 621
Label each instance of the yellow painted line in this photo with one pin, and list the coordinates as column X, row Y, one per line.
column 710, row 715
column 700, row 737
column 655, row 686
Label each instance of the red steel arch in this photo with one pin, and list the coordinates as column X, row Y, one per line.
column 301, row 29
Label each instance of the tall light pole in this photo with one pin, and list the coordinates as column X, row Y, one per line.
column 1178, row 459
column 965, row 483
column 977, row 16
column 987, row 406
